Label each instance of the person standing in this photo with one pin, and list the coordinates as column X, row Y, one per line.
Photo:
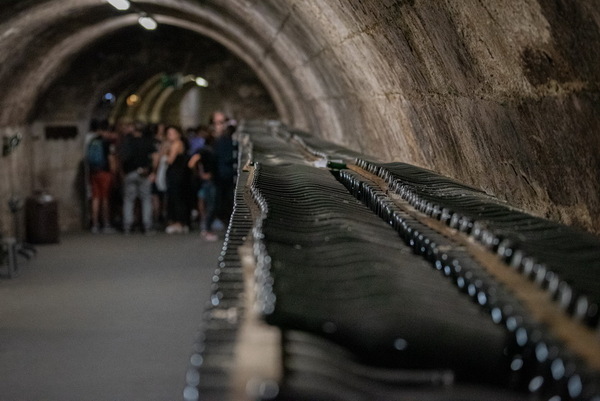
column 159, row 185
column 136, row 160
column 178, row 212
column 204, row 164
column 224, row 154
column 100, row 164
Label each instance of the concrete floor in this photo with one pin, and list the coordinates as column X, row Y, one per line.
column 104, row 318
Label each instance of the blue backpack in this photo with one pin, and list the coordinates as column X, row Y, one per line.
column 95, row 155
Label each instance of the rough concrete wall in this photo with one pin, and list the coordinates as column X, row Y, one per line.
column 501, row 96
column 56, row 169
column 16, row 173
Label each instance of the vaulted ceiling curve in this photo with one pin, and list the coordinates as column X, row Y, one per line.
column 42, row 42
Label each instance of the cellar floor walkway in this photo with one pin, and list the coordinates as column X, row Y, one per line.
column 104, row 318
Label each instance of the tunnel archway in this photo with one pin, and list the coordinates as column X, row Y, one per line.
column 64, row 31
column 134, row 61
column 502, row 97
column 97, row 51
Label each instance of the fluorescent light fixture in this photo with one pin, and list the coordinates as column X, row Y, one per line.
column 201, row 82
column 148, row 22
column 120, row 4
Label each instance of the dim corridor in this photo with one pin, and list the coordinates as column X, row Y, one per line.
column 104, row 318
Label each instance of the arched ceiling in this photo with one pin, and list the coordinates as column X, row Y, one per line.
column 43, row 39
column 124, row 61
column 501, row 95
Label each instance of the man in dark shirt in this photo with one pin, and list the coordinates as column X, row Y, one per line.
column 136, row 160
column 224, row 154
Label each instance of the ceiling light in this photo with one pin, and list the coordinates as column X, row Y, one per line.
column 201, row 82
column 132, row 100
column 148, row 22
column 120, row 4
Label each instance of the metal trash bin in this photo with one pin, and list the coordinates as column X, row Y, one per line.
column 41, row 219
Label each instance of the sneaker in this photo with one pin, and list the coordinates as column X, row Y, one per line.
column 109, row 230
column 174, row 229
column 211, row 237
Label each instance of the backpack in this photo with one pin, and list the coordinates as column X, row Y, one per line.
column 95, row 155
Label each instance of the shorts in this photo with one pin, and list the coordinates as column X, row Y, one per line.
column 101, row 184
column 207, row 191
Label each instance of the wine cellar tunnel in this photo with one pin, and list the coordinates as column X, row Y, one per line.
column 416, row 208
column 503, row 97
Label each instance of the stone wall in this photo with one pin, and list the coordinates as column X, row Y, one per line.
column 16, row 176
column 500, row 96
column 57, row 170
